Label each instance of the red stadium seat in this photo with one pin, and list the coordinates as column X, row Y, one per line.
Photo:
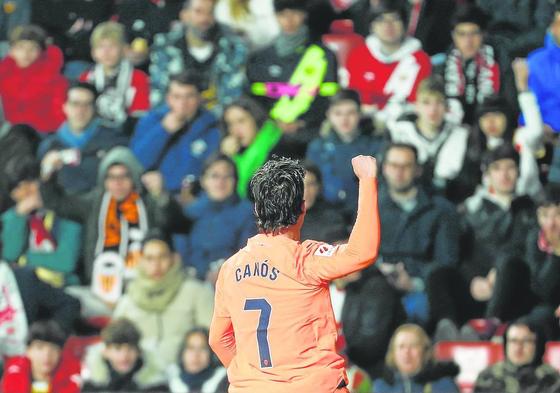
column 472, row 358
column 552, row 354
column 342, row 39
column 76, row 346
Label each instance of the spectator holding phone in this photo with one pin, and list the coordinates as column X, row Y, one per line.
column 80, row 142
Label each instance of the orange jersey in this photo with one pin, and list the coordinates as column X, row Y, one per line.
column 273, row 323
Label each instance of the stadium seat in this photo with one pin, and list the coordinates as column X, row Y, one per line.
column 472, row 358
column 552, row 354
column 342, row 39
column 76, row 346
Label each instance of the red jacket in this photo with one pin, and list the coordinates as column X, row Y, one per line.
column 379, row 78
column 17, row 376
column 34, row 95
column 134, row 100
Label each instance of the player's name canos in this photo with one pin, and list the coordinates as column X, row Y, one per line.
column 257, row 269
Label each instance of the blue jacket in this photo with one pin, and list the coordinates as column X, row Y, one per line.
column 83, row 177
column 436, row 378
column 187, row 154
column 219, row 230
column 333, row 158
column 544, row 81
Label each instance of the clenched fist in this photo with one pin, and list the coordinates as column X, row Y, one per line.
column 365, row 167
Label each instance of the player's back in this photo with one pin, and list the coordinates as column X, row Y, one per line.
column 282, row 317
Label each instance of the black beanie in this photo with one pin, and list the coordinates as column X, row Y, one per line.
column 281, row 5
column 493, row 103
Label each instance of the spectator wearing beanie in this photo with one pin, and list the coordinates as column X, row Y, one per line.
column 470, row 70
column 388, row 68
column 523, row 369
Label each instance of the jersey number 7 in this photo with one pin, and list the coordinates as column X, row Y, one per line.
column 262, row 329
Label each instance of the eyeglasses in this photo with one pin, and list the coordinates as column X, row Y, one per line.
column 120, row 177
column 465, row 34
column 217, row 176
column 389, row 18
column 83, row 104
column 522, row 341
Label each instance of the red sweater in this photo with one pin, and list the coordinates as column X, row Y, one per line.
column 379, row 78
column 34, row 95
column 17, row 376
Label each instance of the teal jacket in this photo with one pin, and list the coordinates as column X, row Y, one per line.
column 67, row 234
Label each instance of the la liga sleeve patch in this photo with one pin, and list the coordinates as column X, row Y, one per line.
column 325, row 250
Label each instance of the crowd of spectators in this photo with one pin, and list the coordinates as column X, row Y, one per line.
column 130, row 130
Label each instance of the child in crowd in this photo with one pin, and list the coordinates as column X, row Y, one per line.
column 123, row 90
column 43, row 369
column 32, row 89
column 441, row 144
column 342, row 139
column 197, row 370
column 118, row 364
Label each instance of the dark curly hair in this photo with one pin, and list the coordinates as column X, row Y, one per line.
column 277, row 192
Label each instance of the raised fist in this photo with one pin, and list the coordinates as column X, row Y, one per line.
column 365, row 167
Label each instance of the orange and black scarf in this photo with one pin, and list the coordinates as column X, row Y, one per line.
column 120, row 224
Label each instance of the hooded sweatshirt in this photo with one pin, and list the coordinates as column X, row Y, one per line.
column 34, row 95
column 162, row 213
column 380, row 78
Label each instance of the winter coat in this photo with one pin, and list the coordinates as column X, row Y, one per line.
column 223, row 73
column 422, row 239
column 517, row 26
column 508, row 378
column 82, row 178
column 434, row 378
column 492, row 234
column 70, row 23
column 545, row 268
column 188, row 151
column 332, row 156
column 434, row 23
column 16, row 142
column 442, row 158
column 216, row 383
column 381, row 79
column 162, row 213
column 266, row 66
column 544, row 81
column 219, row 230
column 34, row 95
column 17, row 376
column 162, row 333
column 60, row 261
column 324, row 222
column 99, row 376
column 371, row 312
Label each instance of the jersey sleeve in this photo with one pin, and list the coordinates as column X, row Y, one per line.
column 222, row 338
column 323, row 262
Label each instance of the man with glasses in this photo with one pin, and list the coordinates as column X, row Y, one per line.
column 80, row 142
column 388, row 67
column 523, row 369
column 419, row 230
column 470, row 70
column 116, row 216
